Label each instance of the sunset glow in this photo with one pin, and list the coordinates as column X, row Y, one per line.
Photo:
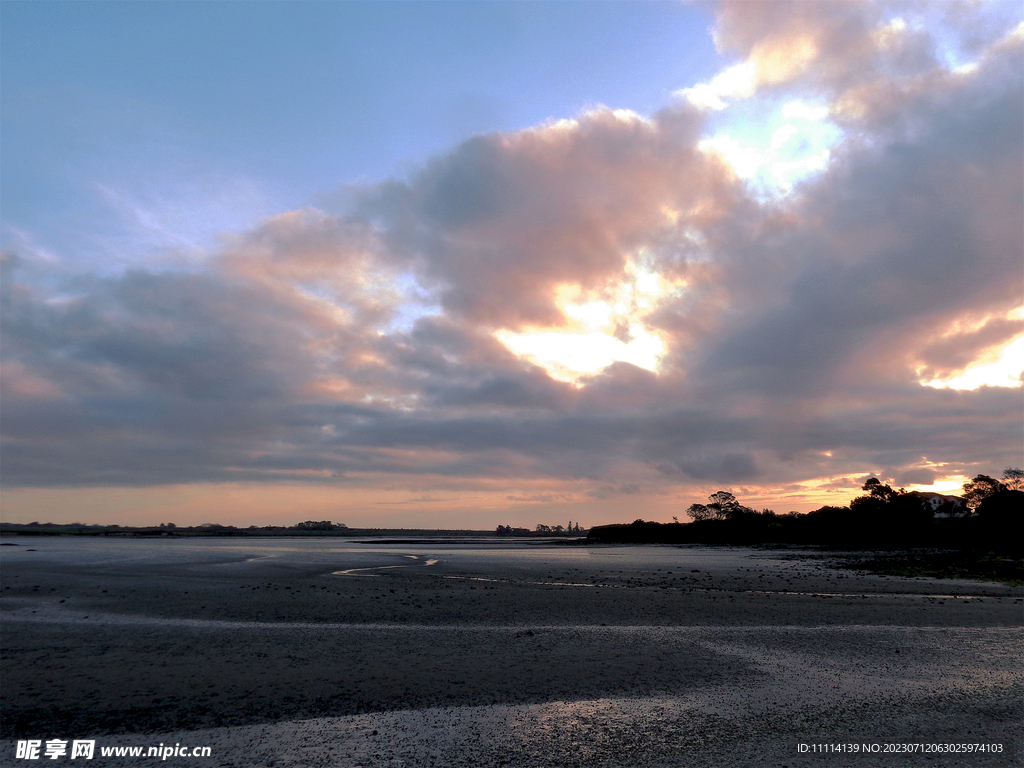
column 950, row 485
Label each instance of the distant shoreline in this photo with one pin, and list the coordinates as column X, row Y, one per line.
column 56, row 529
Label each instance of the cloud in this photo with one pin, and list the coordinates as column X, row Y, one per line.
column 793, row 334
column 866, row 58
column 610, row 491
column 500, row 223
column 545, row 498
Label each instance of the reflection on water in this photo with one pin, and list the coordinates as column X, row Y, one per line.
column 365, row 571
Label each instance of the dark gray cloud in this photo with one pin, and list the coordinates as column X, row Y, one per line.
column 795, row 348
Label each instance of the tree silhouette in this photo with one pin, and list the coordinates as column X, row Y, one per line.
column 700, row 512
column 1013, row 478
column 721, row 505
column 1001, row 516
column 877, row 490
column 886, row 516
column 979, row 489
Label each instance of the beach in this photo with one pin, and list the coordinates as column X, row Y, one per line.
column 328, row 652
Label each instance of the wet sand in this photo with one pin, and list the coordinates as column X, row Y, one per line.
column 431, row 654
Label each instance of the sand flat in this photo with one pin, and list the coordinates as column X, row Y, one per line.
column 490, row 654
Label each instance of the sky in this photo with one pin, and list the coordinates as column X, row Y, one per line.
column 456, row 265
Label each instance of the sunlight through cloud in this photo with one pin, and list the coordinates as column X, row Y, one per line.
column 568, row 356
column 948, row 485
column 1007, row 371
column 601, row 331
column 776, row 153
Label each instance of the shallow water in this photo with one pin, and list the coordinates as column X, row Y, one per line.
column 488, row 554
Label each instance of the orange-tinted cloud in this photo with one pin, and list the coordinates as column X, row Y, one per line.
column 501, row 222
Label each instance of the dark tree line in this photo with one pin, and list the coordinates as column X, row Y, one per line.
column 989, row 516
column 318, row 525
column 541, row 529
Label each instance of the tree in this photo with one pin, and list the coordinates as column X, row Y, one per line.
column 1013, row 478
column 979, row 489
column 888, row 517
column 1001, row 516
column 877, row 490
column 880, row 496
column 701, row 512
column 725, row 504
column 315, row 525
column 721, row 505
